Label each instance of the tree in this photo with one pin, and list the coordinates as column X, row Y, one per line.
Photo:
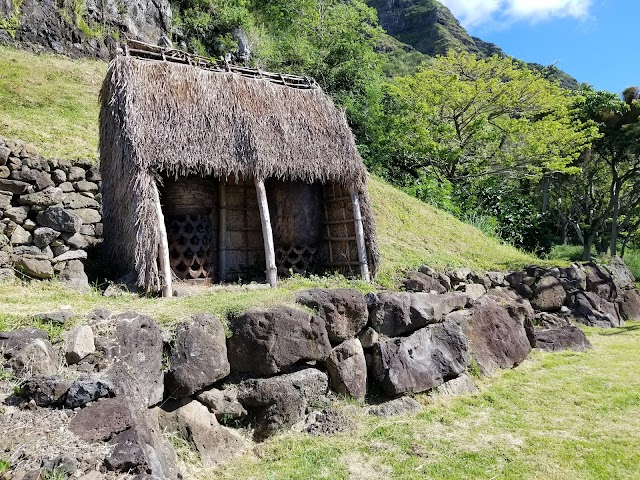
column 462, row 116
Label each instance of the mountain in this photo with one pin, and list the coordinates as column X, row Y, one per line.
column 430, row 28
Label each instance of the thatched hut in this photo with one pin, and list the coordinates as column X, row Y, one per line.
column 220, row 173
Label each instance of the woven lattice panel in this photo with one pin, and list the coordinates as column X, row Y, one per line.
column 297, row 259
column 190, row 250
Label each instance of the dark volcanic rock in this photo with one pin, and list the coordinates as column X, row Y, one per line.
column 11, row 342
column 59, row 219
column 268, row 342
column 561, row 338
column 620, row 274
column 103, row 420
column 599, row 281
column 630, row 306
column 136, row 358
column 85, row 390
column 593, row 310
column 420, row 282
column 281, row 401
column 214, row 443
column 495, row 339
column 46, row 390
column 424, row 360
column 344, row 310
column 198, row 356
column 347, row 369
column 395, row 314
column 548, row 294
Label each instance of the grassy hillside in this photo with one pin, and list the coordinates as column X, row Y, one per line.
column 50, row 101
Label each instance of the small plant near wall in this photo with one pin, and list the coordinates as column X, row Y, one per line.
column 12, row 22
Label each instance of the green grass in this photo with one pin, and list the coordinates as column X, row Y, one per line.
column 50, row 101
column 412, row 233
column 556, row 416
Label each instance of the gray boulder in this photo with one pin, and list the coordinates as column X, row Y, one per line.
column 496, row 340
column 43, row 236
column 473, row 290
column 344, row 310
column 397, row 406
column 45, row 198
column 394, row 314
column 73, row 276
column 421, row 361
column 347, row 369
column 79, row 343
column 268, row 342
column 77, row 200
column 631, row 305
column 621, row 274
column 549, row 294
column 591, row 309
column 17, row 214
column 223, row 404
column 198, row 356
column 59, row 219
column 214, row 443
column 279, row 402
column 573, row 277
column 461, row 385
column 368, row 337
column 58, row 316
column 14, row 340
column 550, row 320
column 36, row 358
column 561, row 338
column 135, row 358
column 421, row 282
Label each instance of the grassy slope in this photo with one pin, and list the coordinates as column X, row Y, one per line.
column 50, row 101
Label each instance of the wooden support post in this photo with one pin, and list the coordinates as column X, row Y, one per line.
column 222, row 231
column 362, row 248
column 163, row 245
column 267, row 234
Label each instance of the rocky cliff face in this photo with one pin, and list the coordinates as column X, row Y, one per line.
column 82, row 27
column 428, row 26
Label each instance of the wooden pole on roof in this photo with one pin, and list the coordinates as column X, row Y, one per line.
column 163, row 246
column 362, row 249
column 267, row 234
column 222, row 231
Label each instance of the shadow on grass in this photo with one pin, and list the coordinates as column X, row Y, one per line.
column 621, row 330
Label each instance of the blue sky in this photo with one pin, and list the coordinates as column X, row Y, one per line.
column 595, row 41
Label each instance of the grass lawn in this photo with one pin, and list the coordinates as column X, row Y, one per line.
column 557, row 416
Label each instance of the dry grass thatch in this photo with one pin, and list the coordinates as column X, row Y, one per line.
column 166, row 118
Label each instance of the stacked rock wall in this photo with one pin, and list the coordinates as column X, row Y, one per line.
column 50, row 213
column 279, row 366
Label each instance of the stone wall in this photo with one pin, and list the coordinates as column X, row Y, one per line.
column 281, row 368
column 50, row 214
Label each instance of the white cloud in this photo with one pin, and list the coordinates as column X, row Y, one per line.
column 475, row 12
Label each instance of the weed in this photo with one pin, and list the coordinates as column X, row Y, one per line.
column 12, row 22
column 474, row 369
column 4, row 466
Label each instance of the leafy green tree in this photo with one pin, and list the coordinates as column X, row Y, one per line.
column 462, row 116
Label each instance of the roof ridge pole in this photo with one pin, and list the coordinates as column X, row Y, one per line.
column 163, row 244
column 267, row 233
column 362, row 249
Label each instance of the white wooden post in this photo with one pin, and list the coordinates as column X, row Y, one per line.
column 222, row 231
column 362, row 249
column 163, row 246
column 267, row 234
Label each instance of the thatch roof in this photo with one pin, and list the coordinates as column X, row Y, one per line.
column 184, row 120
column 166, row 118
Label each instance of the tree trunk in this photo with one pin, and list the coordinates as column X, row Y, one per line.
column 615, row 214
column 545, row 193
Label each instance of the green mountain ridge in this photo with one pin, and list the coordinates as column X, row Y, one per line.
column 431, row 29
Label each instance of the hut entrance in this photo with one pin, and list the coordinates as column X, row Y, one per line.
column 191, row 221
column 213, row 227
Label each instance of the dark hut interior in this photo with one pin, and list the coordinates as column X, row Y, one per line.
column 215, row 233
